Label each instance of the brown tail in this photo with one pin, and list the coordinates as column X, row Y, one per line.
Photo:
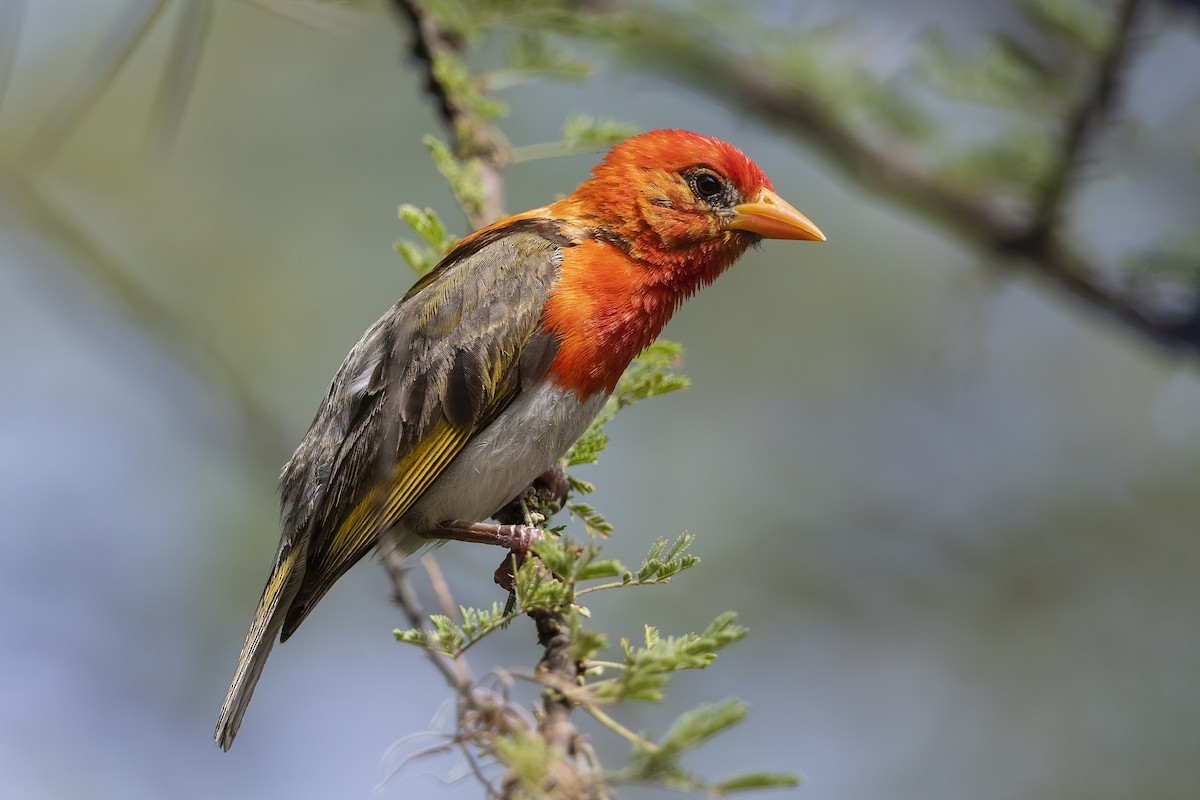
column 268, row 619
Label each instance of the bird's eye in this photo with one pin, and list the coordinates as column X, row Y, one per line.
column 707, row 186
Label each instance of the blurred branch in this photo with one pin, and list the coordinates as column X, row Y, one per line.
column 10, row 32
column 128, row 32
column 1033, row 240
column 747, row 86
column 579, row 776
column 122, row 40
column 480, row 714
column 179, row 77
column 262, row 429
column 397, row 565
column 1084, row 123
column 476, row 142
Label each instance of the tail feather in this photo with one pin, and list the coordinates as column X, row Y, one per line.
column 268, row 619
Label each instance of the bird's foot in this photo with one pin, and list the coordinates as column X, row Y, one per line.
column 547, row 494
column 505, row 575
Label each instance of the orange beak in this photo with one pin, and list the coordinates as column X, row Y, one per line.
column 771, row 216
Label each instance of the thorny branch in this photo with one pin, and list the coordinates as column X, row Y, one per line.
column 397, row 564
column 554, row 634
column 475, row 140
column 480, row 714
column 579, row 775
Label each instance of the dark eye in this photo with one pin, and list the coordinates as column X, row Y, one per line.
column 707, row 186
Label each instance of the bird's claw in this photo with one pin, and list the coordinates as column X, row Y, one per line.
column 554, row 481
column 505, row 574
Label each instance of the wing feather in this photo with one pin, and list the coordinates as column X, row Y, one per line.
column 432, row 372
column 427, row 376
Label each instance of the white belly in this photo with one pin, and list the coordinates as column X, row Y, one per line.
column 503, row 459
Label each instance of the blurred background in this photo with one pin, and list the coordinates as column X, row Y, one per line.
column 958, row 512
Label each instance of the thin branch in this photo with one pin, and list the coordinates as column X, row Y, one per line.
column 10, row 34
column 554, row 634
column 585, row 697
column 475, row 140
column 557, row 668
column 745, row 85
column 440, row 588
column 396, row 564
column 1085, row 122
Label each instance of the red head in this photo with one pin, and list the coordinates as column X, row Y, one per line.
column 662, row 215
column 684, row 202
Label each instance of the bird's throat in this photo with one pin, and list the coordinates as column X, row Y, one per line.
column 607, row 307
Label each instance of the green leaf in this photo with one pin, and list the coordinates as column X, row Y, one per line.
column 1018, row 163
column 531, row 54
column 662, row 562
column 526, row 755
column 478, row 622
column 429, row 226
column 593, row 521
column 463, row 176
column 647, row 669
column 450, row 638
column 591, row 444
column 756, row 780
column 652, row 636
column 574, row 563
column 580, row 487
column 557, row 555
column 446, row 637
column 697, row 726
column 580, row 132
column 415, row 636
column 599, row 570
column 584, row 132
column 653, row 372
column 455, row 16
column 812, row 68
column 536, row 591
column 585, row 643
column 463, row 87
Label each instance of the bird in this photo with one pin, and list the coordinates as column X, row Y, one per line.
column 489, row 368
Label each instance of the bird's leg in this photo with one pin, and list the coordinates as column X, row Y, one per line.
column 505, row 574
column 547, row 489
column 546, row 494
column 517, row 538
